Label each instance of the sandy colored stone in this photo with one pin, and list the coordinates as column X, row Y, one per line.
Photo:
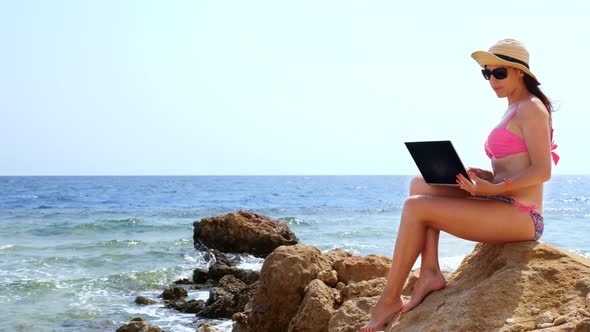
column 359, row 268
column 546, row 317
column 365, row 288
column 560, row 320
column 206, row 327
column 329, row 277
column 283, row 278
column 315, row 310
column 588, row 301
column 349, row 316
column 497, row 282
column 336, row 254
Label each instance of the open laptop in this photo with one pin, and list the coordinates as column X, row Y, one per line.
column 438, row 162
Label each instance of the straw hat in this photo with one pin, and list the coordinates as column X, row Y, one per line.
column 508, row 52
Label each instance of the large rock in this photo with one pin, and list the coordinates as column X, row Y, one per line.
column 506, row 287
column 243, row 232
column 284, row 277
column 359, row 268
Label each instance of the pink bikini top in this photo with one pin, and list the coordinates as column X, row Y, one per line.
column 502, row 142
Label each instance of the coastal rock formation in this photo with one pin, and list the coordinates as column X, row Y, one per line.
column 519, row 286
column 242, row 232
column 284, row 277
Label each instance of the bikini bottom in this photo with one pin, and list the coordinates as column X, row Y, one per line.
column 531, row 210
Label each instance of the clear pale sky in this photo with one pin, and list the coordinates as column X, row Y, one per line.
column 271, row 87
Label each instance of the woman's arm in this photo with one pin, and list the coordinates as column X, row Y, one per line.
column 533, row 119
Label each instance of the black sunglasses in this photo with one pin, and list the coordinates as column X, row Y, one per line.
column 498, row 73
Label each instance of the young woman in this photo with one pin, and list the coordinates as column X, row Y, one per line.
column 501, row 205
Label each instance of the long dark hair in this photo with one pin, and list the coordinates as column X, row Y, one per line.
column 533, row 86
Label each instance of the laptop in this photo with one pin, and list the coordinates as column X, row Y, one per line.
column 438, row 162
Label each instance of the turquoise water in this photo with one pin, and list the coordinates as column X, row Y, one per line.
column 76, row 251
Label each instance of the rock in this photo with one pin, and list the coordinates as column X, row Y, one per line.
column 183, row 281
column 241, row 322
column 546, row 317
column 283, row 278
column 315, row 310
column 366, row 288
column 336, row 254
column 499, row 281
column 560, row 320
column 189, row 307
column 144, row 300
column 544, row 325
column 228, row 298
column 588, row 301
column 583, row 312
column 357, row 268
column 138, row 325
column 206, row 327
column 200, row 275
column 173, row 294
column 583, row 326
column 329, row 277
column 243, row 232
column 351, row 314
column 218, row 271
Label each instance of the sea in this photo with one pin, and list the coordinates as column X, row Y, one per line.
column 75, row 251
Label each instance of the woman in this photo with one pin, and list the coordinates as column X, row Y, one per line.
column 502, row 205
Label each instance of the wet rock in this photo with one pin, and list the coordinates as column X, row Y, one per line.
column 183, row 281
column 173, row 294
column 206, row 327
column 189, row 307
column 138, row 325
column 243, row 232
column 229, row 297
column 141, row 300
column 359, row 268
column 283, row 279
column 200, row 275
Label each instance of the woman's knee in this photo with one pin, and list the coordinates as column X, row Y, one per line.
column 418, row 186
column 415, row 203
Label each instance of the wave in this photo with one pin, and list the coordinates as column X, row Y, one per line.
column 7, row 247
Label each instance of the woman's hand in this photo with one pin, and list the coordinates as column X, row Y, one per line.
column 480, row 187
column 481, row 173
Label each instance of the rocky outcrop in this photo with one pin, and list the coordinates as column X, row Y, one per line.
column 242, row 232
column 506, row 287
column 284, row 277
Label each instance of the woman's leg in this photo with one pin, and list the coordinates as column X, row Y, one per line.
column 431, row 277
column 478, row 220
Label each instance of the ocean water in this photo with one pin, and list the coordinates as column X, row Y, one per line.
column 76, row 251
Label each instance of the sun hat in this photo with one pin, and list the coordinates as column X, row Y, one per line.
column 509, row 52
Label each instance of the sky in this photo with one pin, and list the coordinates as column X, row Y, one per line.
column 116, row 87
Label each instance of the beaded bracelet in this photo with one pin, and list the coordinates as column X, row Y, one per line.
column 508, row 184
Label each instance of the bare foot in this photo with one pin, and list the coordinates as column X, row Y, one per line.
column 383, row 311
column 424, row 286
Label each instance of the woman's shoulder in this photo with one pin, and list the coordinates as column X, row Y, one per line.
column 532, row 109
